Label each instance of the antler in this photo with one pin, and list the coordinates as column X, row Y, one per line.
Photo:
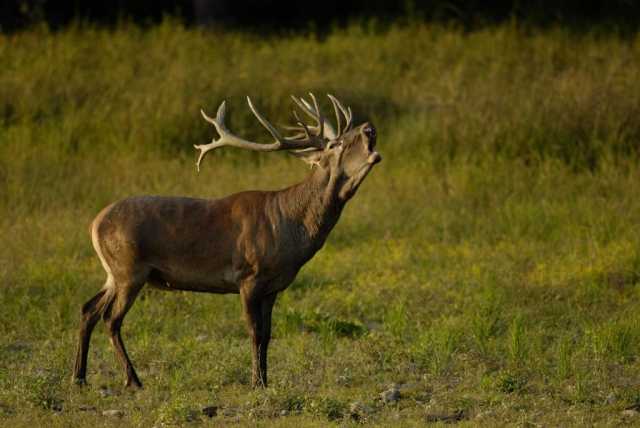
column 308, row 137
column 229, row 139
column 346, row 112
column 322, row 127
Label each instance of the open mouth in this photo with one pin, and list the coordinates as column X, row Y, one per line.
column 374, row 158
column 368, row 166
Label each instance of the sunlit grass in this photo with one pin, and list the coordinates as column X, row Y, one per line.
column 489, row 265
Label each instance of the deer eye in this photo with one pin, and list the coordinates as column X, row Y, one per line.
column 334, row 144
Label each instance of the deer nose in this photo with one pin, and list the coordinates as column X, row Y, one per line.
column 369, row 131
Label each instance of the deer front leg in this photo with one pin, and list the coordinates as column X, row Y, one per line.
column 266, row 308
column 257, row 312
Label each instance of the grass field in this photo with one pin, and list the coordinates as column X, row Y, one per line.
column 489, row 266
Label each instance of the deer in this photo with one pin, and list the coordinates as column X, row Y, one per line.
column 251, row 243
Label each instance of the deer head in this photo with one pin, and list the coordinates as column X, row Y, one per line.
column 345, row 153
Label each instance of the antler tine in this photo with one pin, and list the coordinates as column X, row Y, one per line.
column 301, row 125
column 306, row 130
column 305, row 107
column 320, row 117
column 218, row 123
column 273, row 131
column 222, row 111
column 298, row 129
column 350, row 120
column 336, row 110
column 348, row 115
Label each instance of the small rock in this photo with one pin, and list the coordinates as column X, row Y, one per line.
column 355, row 407
column 456, row 416
column 284, row 412
column 344, row 380
column 373, row 326
column 611, row 398
column 229, row 412
column 105, row 392
column 113, row 413
column 416, row 391
column 18, row 346
column 391, row 395
column 201, row 338
column 87, row 408
column 632, row 413
column 210, row 411
column 5, row 410
column 192, row 416
column 409, row 386
column 484, row 415
column 359, row 410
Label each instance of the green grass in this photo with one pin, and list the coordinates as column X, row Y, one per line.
column 489, row 266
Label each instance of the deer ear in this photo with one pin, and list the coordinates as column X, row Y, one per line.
column 311, row 156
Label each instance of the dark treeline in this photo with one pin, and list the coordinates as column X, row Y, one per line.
column 273, row 15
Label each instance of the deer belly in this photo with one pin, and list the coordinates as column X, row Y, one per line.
column 211, row 282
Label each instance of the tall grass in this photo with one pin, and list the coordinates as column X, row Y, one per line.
column 490, row 262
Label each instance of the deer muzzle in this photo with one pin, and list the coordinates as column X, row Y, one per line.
column 374, row 158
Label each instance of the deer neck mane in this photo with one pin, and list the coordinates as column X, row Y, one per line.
column 314, row 203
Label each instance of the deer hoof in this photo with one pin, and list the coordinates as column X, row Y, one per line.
column 80, row 381
column 133, row 384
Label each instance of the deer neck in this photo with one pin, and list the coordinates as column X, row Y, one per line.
column 313, row 203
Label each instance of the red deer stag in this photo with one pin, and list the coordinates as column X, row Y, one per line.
column 251, row 243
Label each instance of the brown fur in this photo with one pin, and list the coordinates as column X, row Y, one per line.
column 251, row 243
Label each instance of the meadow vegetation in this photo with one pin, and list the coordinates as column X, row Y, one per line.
column 489, row 266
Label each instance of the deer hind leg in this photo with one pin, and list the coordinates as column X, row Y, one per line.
column 125, row 295
column 91, row 312
column 257, row 312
